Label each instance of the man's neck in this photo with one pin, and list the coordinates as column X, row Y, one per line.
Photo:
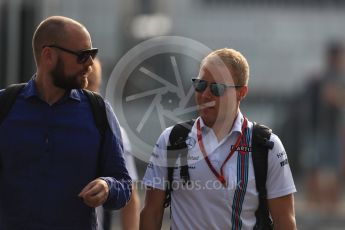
column 222, row 128
column 47, row 91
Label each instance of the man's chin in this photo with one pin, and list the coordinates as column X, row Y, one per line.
column 208, row 121
column 81, row 84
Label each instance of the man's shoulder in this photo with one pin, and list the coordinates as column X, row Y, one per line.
column 166, row 133
column 277, row 155
column 188, row 125
column 277, row 142
column 2, row 91
column 94, row 99
column 169, row 131
column 277, row 145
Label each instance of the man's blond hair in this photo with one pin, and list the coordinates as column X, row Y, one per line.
column 234, row 60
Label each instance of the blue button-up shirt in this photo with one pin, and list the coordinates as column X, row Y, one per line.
column 48, row 154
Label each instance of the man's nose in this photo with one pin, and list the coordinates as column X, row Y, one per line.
column 207, row 93
column 89, row 61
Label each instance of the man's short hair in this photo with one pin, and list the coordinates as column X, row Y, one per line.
column 234, row 60
column 51, row 31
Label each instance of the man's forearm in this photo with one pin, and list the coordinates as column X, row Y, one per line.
column 119, row 193
column 288, row 223
column 148, row 221
column 130, row 214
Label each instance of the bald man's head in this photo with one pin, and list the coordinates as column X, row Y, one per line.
column 53, row 30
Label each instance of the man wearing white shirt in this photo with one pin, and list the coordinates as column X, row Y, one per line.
column 222, row 193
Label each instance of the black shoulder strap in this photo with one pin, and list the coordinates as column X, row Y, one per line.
column 98, row 111
column 100, row 115
column 7, row 99
column 261, row 144
column 177, row 148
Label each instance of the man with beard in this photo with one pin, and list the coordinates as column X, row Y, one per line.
column 221, row 190
column 55, row 165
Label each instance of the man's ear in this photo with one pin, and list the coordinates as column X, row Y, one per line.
column 48, row 56
column 242, row 92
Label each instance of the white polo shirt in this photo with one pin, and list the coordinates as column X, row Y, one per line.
column 205, row 203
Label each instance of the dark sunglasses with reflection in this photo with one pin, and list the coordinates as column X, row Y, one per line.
column 82, row 55
column 217, row 89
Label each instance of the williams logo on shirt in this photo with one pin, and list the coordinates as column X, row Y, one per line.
column 281, row 154
column 242, row 148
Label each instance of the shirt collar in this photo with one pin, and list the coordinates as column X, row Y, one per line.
column 74, row 94
column 202, row 125
column 30, row 90
column 237, row 126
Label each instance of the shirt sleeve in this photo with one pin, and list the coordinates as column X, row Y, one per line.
column 279, row 177
column 113, row 169
column 156, row 172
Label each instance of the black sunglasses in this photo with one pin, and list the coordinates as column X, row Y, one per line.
column 82, row 55
column 217, row 89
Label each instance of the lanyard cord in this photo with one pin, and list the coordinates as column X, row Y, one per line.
column 220, row 176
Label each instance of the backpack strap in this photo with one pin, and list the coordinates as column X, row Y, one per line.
column 8, row 97
column 100, row 116
column 177, row 148
column 261, row 144
column 98, row 111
